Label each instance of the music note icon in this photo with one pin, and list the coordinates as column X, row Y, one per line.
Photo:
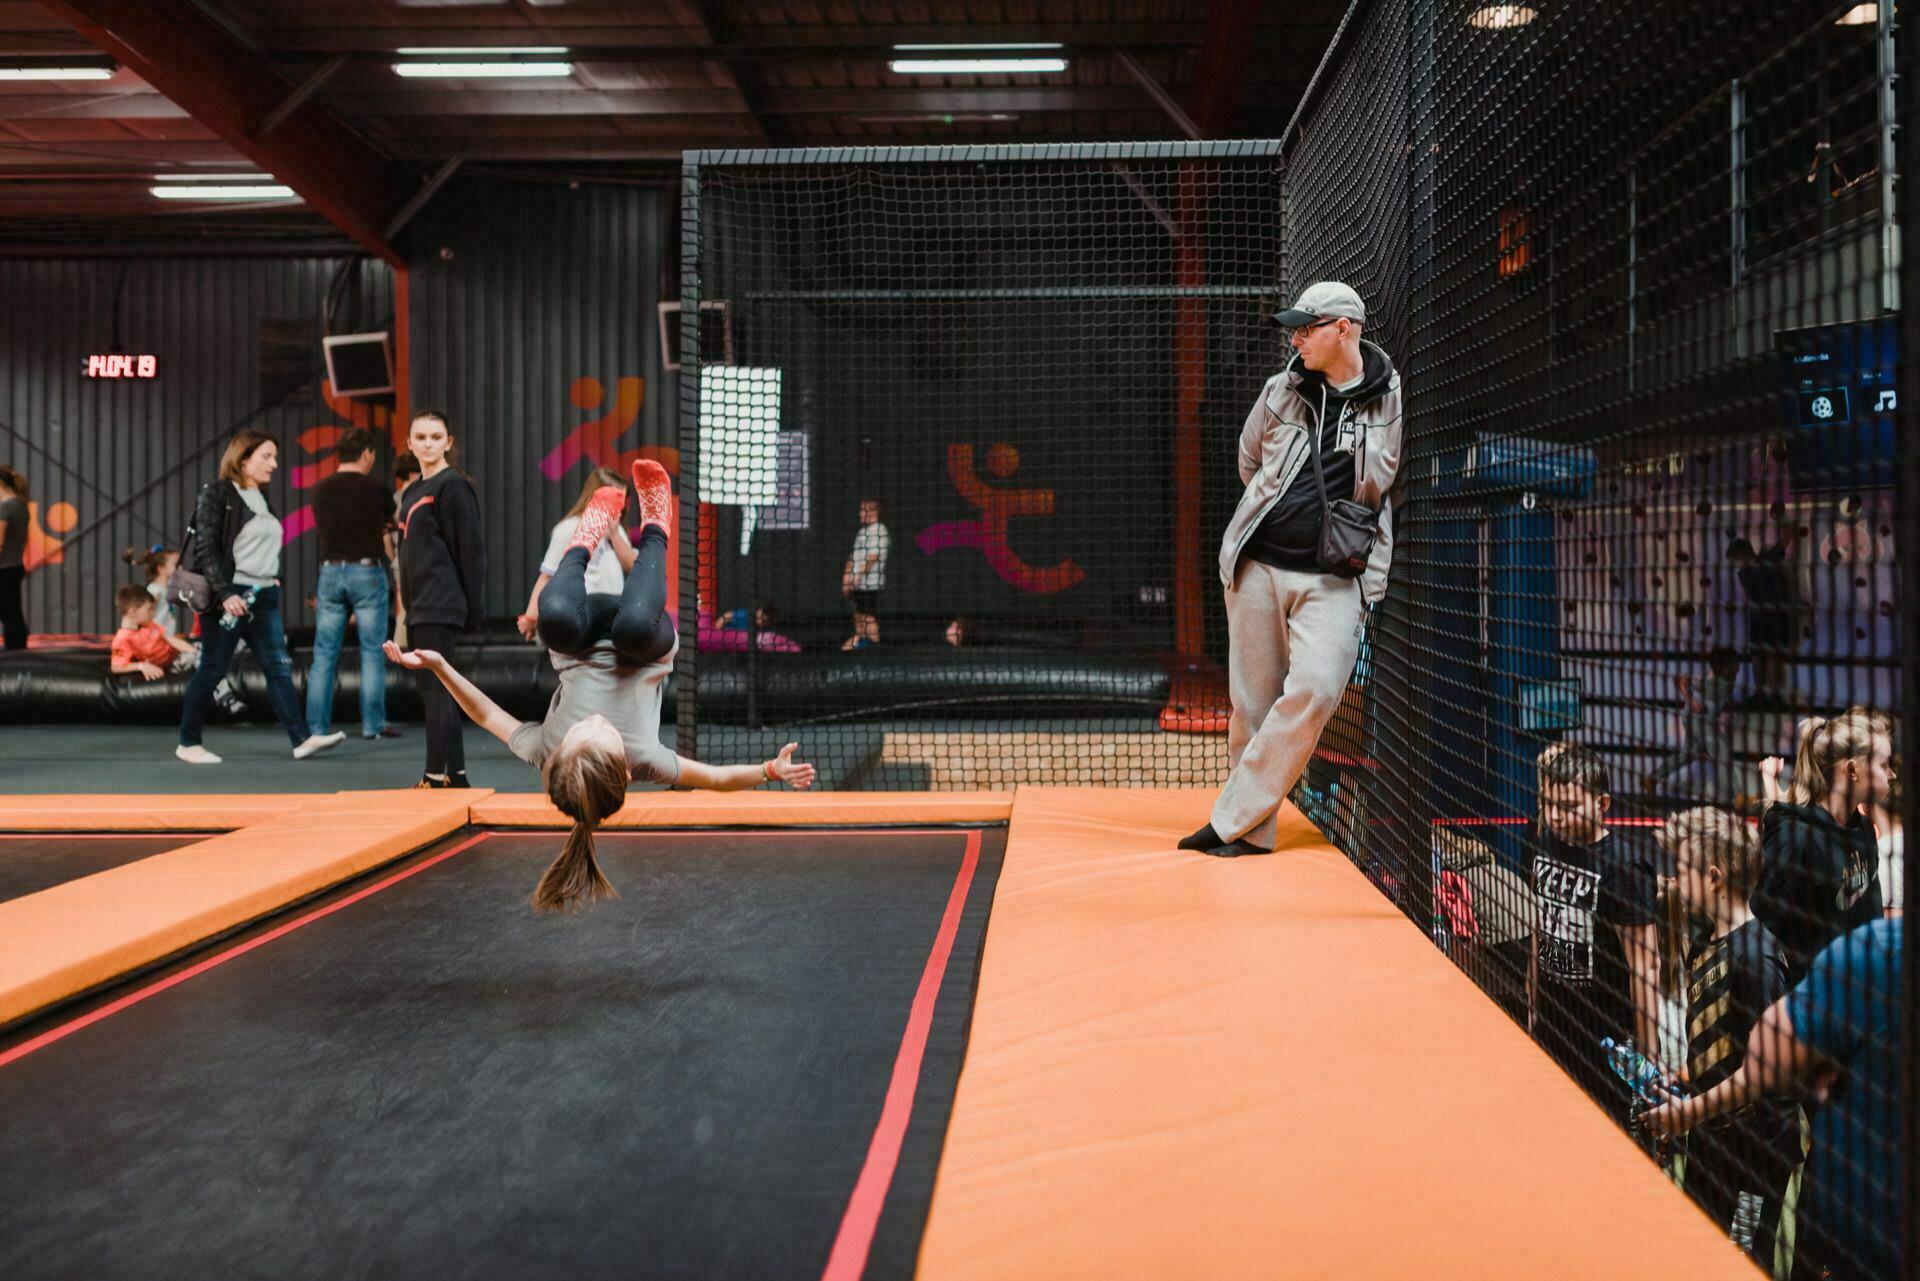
column 1887, row 401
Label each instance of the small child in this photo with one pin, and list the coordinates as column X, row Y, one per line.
column 1740, row 1166
column 1593, row 971
column 156, row 565
column 140, row 645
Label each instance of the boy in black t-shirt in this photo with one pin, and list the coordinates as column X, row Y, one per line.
column 1593, row 969
column 1740, row 1166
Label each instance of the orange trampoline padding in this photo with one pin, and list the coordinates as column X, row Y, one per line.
column 1183, row 1066
column 184, row 813
column 760, row 809
column 75, row 936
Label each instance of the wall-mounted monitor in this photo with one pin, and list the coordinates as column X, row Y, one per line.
column 359, row 364
column 1841, row 404
column 716, row 334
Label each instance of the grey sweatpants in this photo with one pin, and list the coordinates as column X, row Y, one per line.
column 1292, row 641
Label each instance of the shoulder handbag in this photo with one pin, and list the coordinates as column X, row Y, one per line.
column 1347, row 529
column 187, row 586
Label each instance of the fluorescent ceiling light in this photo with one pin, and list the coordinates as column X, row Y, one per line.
column 1501, row 17
column 480, row 51
column 264, row 191
column 937, row 48
column 241, row 178
column 481, row 70
column 976, row 66
column 1861, row 15
column 55, row 73
column 994, row 117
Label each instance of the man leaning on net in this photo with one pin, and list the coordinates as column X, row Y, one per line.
column 1304, row 556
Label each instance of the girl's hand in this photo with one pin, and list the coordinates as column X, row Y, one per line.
column 1770, row 768
column 796, row 774
column 1671, row 1119
column 527, row 625
column 235, row 606
column 150, row 671
column 412, row 659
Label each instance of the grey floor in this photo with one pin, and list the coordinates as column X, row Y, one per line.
column 43, row 759
column 91, row 758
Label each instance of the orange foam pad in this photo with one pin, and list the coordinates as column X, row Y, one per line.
column 185, row 813
column 72, row 937
column 760, row 809
column 1183, row 1066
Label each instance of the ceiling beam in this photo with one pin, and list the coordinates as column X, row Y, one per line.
column 697, row 12
column 579, row 101
column 1220, row 65
column 772, row 39
column 308, row 87
column 136, row 104
column 1155, row 90
column 175, row 47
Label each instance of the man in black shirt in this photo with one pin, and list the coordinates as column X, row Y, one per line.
column 351, row 511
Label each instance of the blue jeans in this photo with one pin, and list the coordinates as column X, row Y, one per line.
column 361, row 590
column 261, row 629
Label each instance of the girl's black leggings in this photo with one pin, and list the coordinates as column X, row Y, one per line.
column 572, row 621
column 446, row 748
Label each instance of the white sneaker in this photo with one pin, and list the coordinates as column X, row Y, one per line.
column 196, row 755
column 317, row 743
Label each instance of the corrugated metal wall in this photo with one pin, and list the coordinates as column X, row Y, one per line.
column 533, row 310
column 540, row 326
column 114, row 463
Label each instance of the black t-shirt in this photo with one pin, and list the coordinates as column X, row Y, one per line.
column 350, row 513
column 13, row 551
column 1731, row 981
column 1582, row 893
column 1819, row 880
column 1288, row 536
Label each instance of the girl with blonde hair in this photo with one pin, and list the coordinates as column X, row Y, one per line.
column 602, row 730
column 607, row 566
column 1821, row 873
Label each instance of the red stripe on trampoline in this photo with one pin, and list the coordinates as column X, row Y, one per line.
column 158, row 986
column 862, row 1219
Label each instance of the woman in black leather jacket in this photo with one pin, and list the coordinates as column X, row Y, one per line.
column 235, row 545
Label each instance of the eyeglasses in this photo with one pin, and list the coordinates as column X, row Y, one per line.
column 1318, row 324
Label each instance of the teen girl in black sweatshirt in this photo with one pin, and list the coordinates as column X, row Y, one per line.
column 443, row 567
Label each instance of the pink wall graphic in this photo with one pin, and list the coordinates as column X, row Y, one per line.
column 988, row 535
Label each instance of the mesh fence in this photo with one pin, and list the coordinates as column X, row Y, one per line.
column 1638, row 694
column 946, row 413
column 1624, row 732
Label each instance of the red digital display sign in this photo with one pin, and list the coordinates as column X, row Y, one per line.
column 122, row 366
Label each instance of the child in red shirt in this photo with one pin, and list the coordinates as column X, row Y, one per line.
column 140, row 645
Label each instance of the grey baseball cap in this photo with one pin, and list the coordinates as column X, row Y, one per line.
column 1327, row 300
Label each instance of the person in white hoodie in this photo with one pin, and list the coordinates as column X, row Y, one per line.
column 1305, row 555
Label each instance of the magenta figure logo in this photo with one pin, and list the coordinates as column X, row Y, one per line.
column 988, row 535
column 597, row 441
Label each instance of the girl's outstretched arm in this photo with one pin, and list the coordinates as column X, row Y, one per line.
column 738, row 778
column 480, row 709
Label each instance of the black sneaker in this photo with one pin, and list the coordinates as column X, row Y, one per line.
column 431, row 783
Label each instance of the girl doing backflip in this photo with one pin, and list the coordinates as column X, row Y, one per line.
column 613, row 654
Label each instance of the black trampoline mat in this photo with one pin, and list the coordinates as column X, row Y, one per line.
column 33, row 862
column 431, row 1081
